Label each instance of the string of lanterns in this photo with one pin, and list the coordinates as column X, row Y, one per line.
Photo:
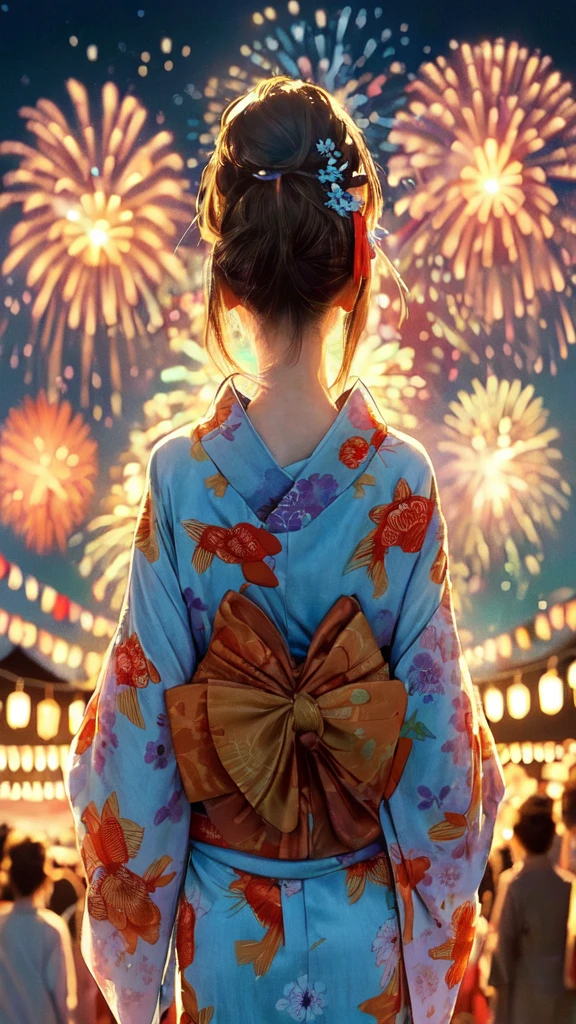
column 519, row 698
column 26, row 634
column 38, row 758
column 528, row 752
column 54, row 603
column 544, row 625
column 33, row 791
column 48, row 710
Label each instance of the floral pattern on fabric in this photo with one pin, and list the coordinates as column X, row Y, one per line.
column 115, row 893
column 307, row 499
column 365, row 526
column 302, row 1001
column 156, row 749
column 386, row 945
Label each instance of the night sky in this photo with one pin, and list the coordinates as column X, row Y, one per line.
column 35, row 60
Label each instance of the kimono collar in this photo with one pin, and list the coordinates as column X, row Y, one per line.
column 283, row 503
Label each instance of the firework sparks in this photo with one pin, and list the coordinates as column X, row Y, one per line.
column 489, row 139
column 101, row 219
column 48, row 465
column 501, row 486
column 353, row 55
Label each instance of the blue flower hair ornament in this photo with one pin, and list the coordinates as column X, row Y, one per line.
column 342, row 201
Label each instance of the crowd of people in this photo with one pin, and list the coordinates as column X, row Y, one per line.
column 522, row 969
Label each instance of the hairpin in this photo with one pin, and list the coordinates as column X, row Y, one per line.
column 267, row 175
column 342, row 201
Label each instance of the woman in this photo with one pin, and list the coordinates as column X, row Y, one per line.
column 528, row 963
column 37, row 978
column 286, row 675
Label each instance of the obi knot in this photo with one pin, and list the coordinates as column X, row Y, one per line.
column 269, row 744
column 307, row 715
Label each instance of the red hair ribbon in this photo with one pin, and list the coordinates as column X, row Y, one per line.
column 363, row 251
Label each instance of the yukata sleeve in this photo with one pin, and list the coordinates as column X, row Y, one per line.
column 131, row 814
column 440, row 807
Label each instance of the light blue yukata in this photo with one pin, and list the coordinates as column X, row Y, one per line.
column 284, row 786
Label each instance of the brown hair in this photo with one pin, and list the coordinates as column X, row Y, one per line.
column 27, row 871
column 275, row 244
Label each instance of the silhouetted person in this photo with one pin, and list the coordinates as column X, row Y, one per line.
column 527, row 966
column 37, row 978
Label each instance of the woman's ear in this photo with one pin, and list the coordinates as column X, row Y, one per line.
column 230, row 299
column 347, row 296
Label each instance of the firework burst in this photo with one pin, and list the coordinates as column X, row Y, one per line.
column 48, row 464
column 501, row 485
column 489, row 138
column 352, row 55
column 101, row 219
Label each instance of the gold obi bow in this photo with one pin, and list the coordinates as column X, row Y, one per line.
column 289, row 760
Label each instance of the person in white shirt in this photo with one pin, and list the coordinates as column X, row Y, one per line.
column 37, row 977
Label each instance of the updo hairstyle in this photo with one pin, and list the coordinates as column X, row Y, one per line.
column 275, row 244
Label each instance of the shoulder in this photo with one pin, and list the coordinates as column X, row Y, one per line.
column 565, row 876
column 405, row 458
column 52, row 924
column 171, row 457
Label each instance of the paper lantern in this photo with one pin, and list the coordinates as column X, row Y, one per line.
column 551, row 692
column 48, row 790
column 13, row 759
column 527, row 753
column 48, row 716
column 515, row 753
column 53, row 758
column 75, row 715
column 18, row 707
column 494, row 704
column 518, row 700
column 571, row 675
column 16, row 791
column 3, row 758
column 40, row 759
column 26, row 759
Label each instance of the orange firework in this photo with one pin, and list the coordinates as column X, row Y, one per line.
column 101, row 220
column 489, row 140
column 48, row 463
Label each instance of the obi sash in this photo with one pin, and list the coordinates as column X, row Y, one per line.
column 290, row 760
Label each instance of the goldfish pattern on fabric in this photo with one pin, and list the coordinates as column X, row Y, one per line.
column 242, row 544
column 403, row 523
column 287, row 660
column 262, row 895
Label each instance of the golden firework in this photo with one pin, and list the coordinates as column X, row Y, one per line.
column 489, row 139
column 101, row 220
column 48, row 463
column 501, row 485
